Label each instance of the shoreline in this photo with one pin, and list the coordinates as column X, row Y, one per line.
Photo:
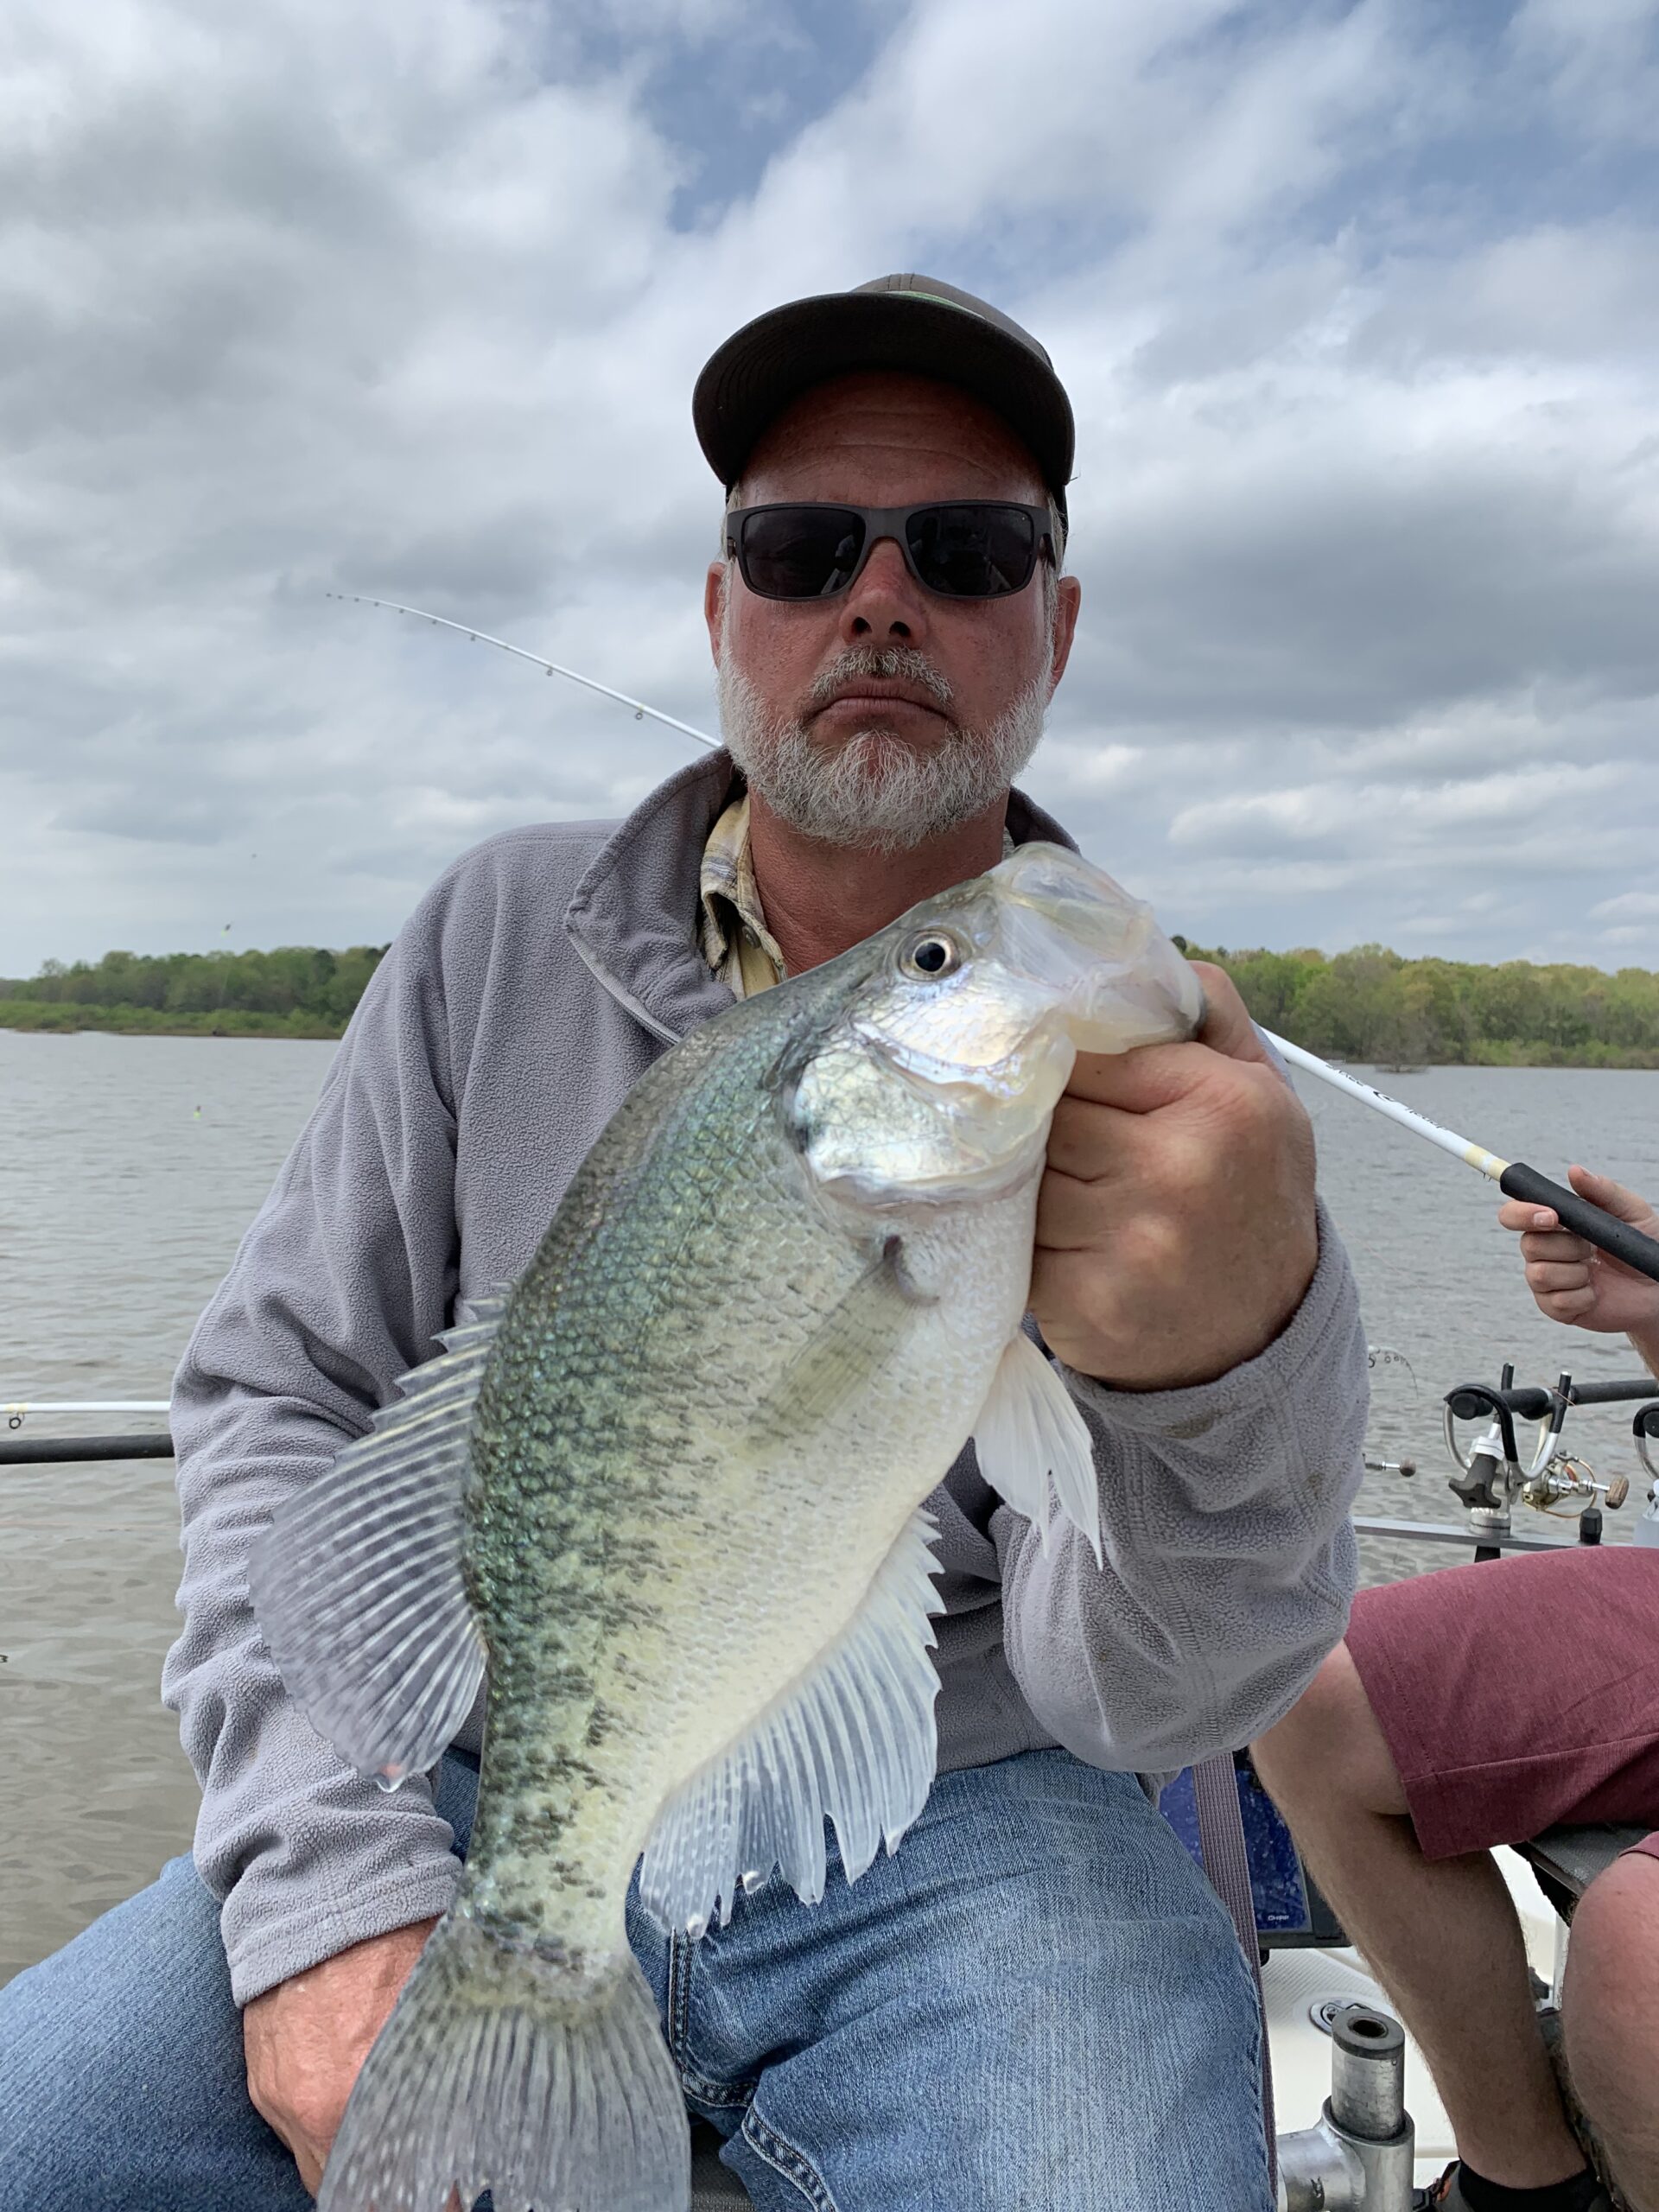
column 55, row 1018
column 61, row 1021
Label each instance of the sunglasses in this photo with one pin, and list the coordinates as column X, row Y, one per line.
column 962, row 548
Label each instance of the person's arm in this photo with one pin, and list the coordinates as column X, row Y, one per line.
column 1204, row 1311
column 1230, row 1560
column 340, row 1287
column 1570, row 1282
column 328, row 1885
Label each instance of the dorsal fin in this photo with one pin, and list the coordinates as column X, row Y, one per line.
column 854, row 1738
column 357, row 1584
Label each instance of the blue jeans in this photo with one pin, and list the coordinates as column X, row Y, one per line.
column 1036, row 2001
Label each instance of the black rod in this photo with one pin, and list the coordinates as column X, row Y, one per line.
column 54, row 1451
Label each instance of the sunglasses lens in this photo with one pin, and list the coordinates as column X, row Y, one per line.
column 800, row 552
column 976, row 551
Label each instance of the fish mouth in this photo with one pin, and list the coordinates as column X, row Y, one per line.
column 1116, row 980
column 979, row 1176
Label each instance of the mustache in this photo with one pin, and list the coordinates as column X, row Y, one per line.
column 905, row 664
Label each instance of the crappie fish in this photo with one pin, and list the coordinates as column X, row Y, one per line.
column 670, row 1487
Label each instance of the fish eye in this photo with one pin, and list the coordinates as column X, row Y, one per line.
column 931, row 955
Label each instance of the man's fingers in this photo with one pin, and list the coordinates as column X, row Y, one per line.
column 1547, row 1275
column 1522, row 1213
column 1137, row 1082
column 1065, row 1212
column 1078, row 1133
column 1567, row 1305
column 1150, row 1076
column 1612, row 1198
column 1227, row 1025
column 1555, row 1244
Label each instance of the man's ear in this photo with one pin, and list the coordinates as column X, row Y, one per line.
column 714, row 605
column 1068, row 598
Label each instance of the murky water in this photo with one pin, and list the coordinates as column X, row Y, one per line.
column 130, row 1167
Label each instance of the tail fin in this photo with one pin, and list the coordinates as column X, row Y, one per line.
column 547, row 2082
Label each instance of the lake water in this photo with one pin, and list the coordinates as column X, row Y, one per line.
column 130, row 1167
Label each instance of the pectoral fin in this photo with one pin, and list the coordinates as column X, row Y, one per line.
column 1028, row 1433
column 862, row 1334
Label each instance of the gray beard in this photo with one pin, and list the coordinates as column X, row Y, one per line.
column 874, row 791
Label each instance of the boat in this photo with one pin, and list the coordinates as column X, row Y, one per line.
column 1358, row 2126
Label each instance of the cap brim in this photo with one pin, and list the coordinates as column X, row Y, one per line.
column 760, row 369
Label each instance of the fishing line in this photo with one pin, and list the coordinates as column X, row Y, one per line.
column 1513, row 1177
column 483, row 638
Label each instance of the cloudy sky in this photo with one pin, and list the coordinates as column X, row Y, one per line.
column 1357, row 302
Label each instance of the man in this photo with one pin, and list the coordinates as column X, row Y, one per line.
column 1036, row 1999
column 1478, row 1707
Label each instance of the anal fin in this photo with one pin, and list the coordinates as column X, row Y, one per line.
column 855, row 1738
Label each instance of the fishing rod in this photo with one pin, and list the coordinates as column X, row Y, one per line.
column 15, row 1412
column 553, row 668
column 1513, row 1177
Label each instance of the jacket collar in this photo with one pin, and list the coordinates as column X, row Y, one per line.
column 634, row 916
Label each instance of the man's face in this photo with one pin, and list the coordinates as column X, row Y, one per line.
column 889, row 712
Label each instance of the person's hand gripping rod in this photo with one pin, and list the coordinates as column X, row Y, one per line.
column 1513, row 1177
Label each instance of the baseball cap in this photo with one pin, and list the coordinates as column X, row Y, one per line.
column 917, row 323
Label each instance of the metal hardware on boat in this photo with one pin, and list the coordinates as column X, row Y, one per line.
column 1484, row 1480
column 1406, row 1467
column 31, row 1451
column 1644, row 1427
column 1458, row 1533
column 1489, row 1475
column 1358, row 2156
column 65, row 1451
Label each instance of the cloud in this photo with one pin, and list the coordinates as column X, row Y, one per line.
column 1356, row 302
column 1628, row 903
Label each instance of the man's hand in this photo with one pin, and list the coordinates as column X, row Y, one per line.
column 1175, row 1225
column 1570, row 1280
column 306, row 2039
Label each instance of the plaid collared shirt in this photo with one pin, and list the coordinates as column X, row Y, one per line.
column 736, row 943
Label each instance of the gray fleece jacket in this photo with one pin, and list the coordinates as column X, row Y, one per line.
column 534, row 983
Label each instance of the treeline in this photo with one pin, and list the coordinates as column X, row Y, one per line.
column 296, row 991
column 1372, row 1006
column 1369, row 1006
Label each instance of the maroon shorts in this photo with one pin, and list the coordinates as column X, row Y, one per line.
column 1519, row 1692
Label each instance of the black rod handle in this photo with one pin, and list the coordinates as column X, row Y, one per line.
column 1605, row 1230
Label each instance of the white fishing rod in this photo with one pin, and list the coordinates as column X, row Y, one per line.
column 483, row 638
column 1513, row 1177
